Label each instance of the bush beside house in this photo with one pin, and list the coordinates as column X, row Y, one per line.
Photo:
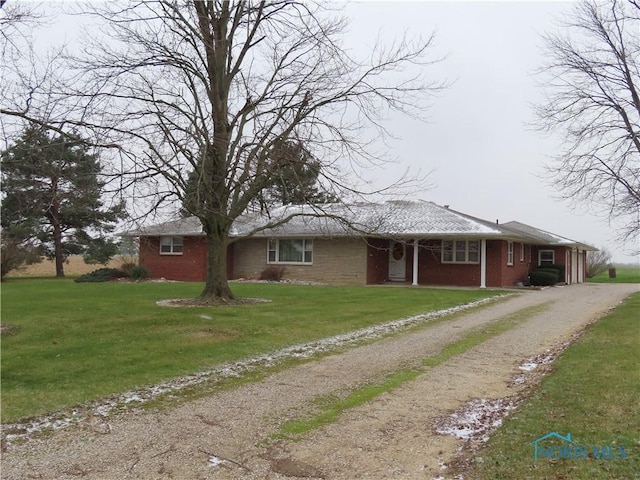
column 543, row 278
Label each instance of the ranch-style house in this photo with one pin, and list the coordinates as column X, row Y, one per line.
column 414, row 242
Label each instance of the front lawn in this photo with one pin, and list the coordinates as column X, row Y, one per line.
column 65, row 343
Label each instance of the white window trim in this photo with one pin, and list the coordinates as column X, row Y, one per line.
column 277, row 251
column 523, row 256
column 172, row 245
column 553, row 256
column 510, row 253
column 466, row 252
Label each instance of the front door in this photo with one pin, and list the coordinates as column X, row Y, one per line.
column 397, row 261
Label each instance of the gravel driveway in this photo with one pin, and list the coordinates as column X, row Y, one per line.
column 221, row 436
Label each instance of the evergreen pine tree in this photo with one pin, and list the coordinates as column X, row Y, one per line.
column 53, row 195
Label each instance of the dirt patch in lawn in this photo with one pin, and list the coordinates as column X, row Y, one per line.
column 7, row 329
column 226, row 435
column 213, row 302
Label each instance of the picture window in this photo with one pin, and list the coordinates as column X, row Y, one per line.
column 460, row 251
column 282, row 250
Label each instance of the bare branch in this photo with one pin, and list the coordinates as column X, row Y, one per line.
column 209, row 90
column 592, row 80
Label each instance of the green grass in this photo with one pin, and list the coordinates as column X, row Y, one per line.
column 593, row 394
column 329, row 408
column 72, row 343
column 624, row 274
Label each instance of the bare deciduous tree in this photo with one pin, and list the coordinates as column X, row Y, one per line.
column 597, row 262
column 16, row 254
column 593, row 99
column 14, row 19
column 211, row 89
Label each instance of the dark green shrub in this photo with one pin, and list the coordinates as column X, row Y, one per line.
column 101, row 275
column 561, row 270
column 555, row 271
column 272, row 273
column 542, row 278
column 138, row 273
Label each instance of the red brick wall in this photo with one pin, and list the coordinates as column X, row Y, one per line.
column 495, row 254
column 377, row 261
column 560, row 258
column 191, row 266
column 432, row 272
column 504, row 275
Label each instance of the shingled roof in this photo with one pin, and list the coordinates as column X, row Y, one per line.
column 398, row 219
column 542, row 236
column 187, row 227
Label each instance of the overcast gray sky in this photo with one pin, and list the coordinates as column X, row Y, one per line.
column 486, row 159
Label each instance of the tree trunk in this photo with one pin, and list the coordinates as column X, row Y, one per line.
column 216, row 286
column 57, row 241
column 59, row 254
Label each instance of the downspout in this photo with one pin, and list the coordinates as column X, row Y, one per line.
column 483, row 263
column 415, row 263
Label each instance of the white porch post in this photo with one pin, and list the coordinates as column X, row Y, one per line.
column 483, row 263
column 580, row 266
column 415, row 263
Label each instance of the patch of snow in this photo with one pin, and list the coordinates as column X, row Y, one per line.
column 390, row 218
column 132, row 397
column 101, row 410
column 527, row 367
column 215, row 461
column 542, row 359
column 545, row 358
column 476, row 419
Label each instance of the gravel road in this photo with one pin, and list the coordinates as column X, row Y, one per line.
column 223, row 435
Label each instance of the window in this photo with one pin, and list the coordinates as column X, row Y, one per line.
column 290, row 250
column 522, row 256
column 509, row 253
column 546, row 257
column 171, row 245
column 460, row 251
